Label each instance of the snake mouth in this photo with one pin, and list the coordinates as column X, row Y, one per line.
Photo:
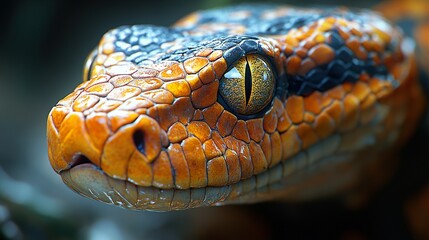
column 291, row 180
column 90, row 181
column 78, row 159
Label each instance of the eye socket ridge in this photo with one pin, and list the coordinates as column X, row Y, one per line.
column 248, row 86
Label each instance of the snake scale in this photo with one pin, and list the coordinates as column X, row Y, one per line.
column 234, row 105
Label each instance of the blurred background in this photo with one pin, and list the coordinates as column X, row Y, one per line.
column 43, row 45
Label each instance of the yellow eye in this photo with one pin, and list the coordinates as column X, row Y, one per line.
column 248, row 87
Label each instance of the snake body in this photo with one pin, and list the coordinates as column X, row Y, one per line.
column 240, row 104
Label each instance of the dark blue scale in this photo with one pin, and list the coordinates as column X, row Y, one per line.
column 142, row 45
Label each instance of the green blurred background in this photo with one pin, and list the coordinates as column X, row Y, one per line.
column 43, row 45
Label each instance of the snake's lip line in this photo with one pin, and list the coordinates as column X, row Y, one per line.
column 91, row 181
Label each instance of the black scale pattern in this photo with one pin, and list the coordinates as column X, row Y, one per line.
column 143, row 44
column 345, row 67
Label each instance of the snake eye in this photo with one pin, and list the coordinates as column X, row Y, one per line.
column 248, row 86
column 89, row 65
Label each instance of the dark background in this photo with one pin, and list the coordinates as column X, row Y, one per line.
column 43, row 45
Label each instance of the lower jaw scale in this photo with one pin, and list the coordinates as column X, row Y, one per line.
column 279, row 182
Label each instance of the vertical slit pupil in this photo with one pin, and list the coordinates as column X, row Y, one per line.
column 248, row 82
column 139, row 141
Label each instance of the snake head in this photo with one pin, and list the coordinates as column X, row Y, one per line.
column 210, row 111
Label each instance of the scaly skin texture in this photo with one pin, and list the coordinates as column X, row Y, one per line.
column 157, row 135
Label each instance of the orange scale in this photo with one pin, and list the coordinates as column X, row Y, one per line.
column 84, row 102
column 355, row 31
column 313, row 103
column 325, row 26
column 205, row 95
column 212, row 114
column 256, row 129
column 337, row 93
column 105, row 105
column 283, row 122
column 292, row 65
column 204, row 53
column 270, row 121
column 101, row 89
column 309, row 44
column 291, row 143
column 220, row 67
column 336, row 111
column 200, row 130
column 114, row 58
column 259, row 161
column 166, row 116
column 98, row 79
column 215, row 55
column 301, row 53
column 184, row 109
column 211, row 150
column 322, row 54
column 307, row 135
column 194, row 81
column 368, row 109
column 324, row 125
column 295, row 109
column 58, row 115
column 177, row 132
column 141, row 111
column 98, row 130
column 343, row 33
column 320, row 38
column 308, row 117
column 118, row 118
column 196, row 161
column 160, row 96
column 135, row 103
column 306, row 65
column 179, row 88
column 244, row 155
column 217, row 172
column 182, row 177
column 119, row 69
column 361, row 90
column 278, row 106
column 139, row 171
column 195, row 64
column 145, row 73
column 240, row 131
column 226, row 123
column 120, row 80
column 162, row 172
column 233, row 166
column 172, row 72
column 276, row 149
column 266, row 147
column 351, row 113
column 218, row 140
column 146, row 84
column 123, row 93
column 198, row 115
column 207, row 74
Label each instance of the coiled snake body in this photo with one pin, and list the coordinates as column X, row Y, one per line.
column 240, row 104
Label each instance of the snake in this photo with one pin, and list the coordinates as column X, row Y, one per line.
column 241, row 104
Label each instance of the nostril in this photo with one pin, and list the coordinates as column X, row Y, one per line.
column 138, row 139
column 79, row 159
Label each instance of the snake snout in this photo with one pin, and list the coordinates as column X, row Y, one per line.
column 124, row 150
